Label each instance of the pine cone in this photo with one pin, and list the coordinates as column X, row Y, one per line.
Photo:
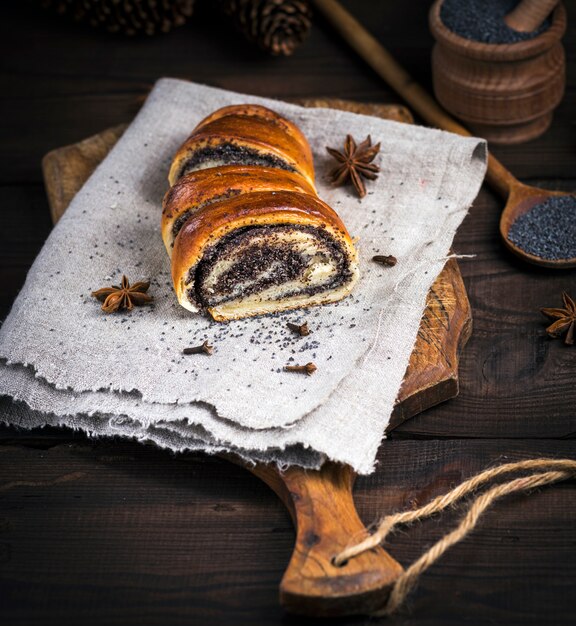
column 277, row 26
column 129, row 17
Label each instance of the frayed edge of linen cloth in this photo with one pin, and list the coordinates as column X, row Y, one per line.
column 174, row 436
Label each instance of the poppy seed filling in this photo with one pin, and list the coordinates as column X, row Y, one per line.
column 232, row 154
column 254, row 259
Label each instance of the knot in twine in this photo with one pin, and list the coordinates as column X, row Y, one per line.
column 556, row 470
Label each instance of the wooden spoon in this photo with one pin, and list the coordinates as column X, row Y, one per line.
column 519, row 197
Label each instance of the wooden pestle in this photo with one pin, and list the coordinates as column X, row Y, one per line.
column 528, row 15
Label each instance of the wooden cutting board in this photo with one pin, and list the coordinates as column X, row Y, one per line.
column 320, row 502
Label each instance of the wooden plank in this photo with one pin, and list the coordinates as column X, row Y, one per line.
column 20, row 240
column 120, row 533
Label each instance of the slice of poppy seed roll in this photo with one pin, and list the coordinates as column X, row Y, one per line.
column 260, row 253
column 203, row 187
column 244, row 135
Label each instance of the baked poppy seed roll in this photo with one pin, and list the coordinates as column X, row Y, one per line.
column 246, row 230
column 262, row 252
column 244, row 135
column 198, row 189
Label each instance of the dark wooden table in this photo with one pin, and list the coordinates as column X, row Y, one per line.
column 109, row 532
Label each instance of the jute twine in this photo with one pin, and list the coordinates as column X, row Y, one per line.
column 556, row 470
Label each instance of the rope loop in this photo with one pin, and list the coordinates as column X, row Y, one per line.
column 556, row 470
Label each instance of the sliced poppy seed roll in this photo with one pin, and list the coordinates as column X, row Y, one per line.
column 243, row 224
column 244, row 135
column 261, row 253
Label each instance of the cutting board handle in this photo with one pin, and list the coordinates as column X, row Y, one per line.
column 322, row 507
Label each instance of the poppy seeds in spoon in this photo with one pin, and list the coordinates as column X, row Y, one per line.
column 548, row 229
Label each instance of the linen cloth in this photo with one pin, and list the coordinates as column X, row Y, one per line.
column 65, row 362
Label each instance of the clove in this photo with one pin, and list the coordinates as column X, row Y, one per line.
column 205, row 348
column 299, row 329
column 309, row 368
column 388, row 260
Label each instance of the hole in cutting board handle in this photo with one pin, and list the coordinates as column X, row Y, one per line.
column 333, row 561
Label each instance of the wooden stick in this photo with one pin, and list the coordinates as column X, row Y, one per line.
column 383, row 63
column 528, row 15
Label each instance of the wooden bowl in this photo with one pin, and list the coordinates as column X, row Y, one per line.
column 503, row 92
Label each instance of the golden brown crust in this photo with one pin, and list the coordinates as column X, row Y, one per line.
column 267, row 135
column 210, row 223
column 249, row 110
column 256, row 110
column 204, row 187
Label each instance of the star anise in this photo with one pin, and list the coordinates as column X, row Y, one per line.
column 124, row 296
column 565, row 320
column 355, row 163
